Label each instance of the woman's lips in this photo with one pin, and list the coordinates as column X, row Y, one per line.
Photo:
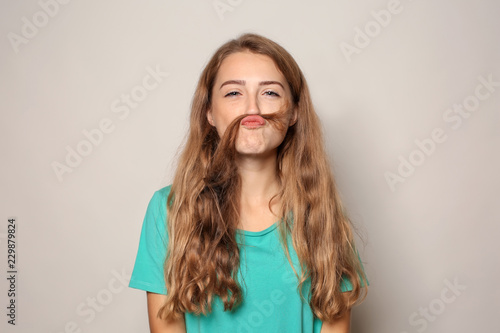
column 253, row 121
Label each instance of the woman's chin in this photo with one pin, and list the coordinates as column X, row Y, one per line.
column 256, row 152
column 257, row 145
column 250, row 151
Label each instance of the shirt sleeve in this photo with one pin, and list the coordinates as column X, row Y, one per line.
column 148, row 269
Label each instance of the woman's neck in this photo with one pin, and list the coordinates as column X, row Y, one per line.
column 259, row 184
column 258, row 175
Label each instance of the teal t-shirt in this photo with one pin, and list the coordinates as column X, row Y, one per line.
column 271, row 301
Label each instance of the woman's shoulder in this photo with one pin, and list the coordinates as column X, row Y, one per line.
column 163, row 192
column 160, row 196
column 158, row 204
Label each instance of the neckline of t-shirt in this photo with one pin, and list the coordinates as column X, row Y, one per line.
column 258, row 233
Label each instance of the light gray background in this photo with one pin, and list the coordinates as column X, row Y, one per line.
column 77, row 233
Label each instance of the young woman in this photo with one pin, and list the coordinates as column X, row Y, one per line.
column 251, row 236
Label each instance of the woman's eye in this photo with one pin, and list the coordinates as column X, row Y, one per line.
column 271, row 93
column 231, row 93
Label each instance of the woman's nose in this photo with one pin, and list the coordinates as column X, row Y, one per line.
column 252, row 106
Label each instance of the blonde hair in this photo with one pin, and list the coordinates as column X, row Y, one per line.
column 203, row 207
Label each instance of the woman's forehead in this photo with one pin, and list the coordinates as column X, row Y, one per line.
column 248, row 65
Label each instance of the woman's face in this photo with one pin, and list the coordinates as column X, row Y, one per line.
column 250, row 84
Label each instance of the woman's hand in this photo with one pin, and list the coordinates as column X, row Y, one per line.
column 157, row 325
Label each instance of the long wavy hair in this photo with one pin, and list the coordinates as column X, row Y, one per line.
column 203, row 206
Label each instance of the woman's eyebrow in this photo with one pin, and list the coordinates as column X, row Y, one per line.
column 266, row 83
column 240, row 82
column 243, row 82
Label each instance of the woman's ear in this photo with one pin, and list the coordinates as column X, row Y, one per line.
column 210, row 117
column 293, row 119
